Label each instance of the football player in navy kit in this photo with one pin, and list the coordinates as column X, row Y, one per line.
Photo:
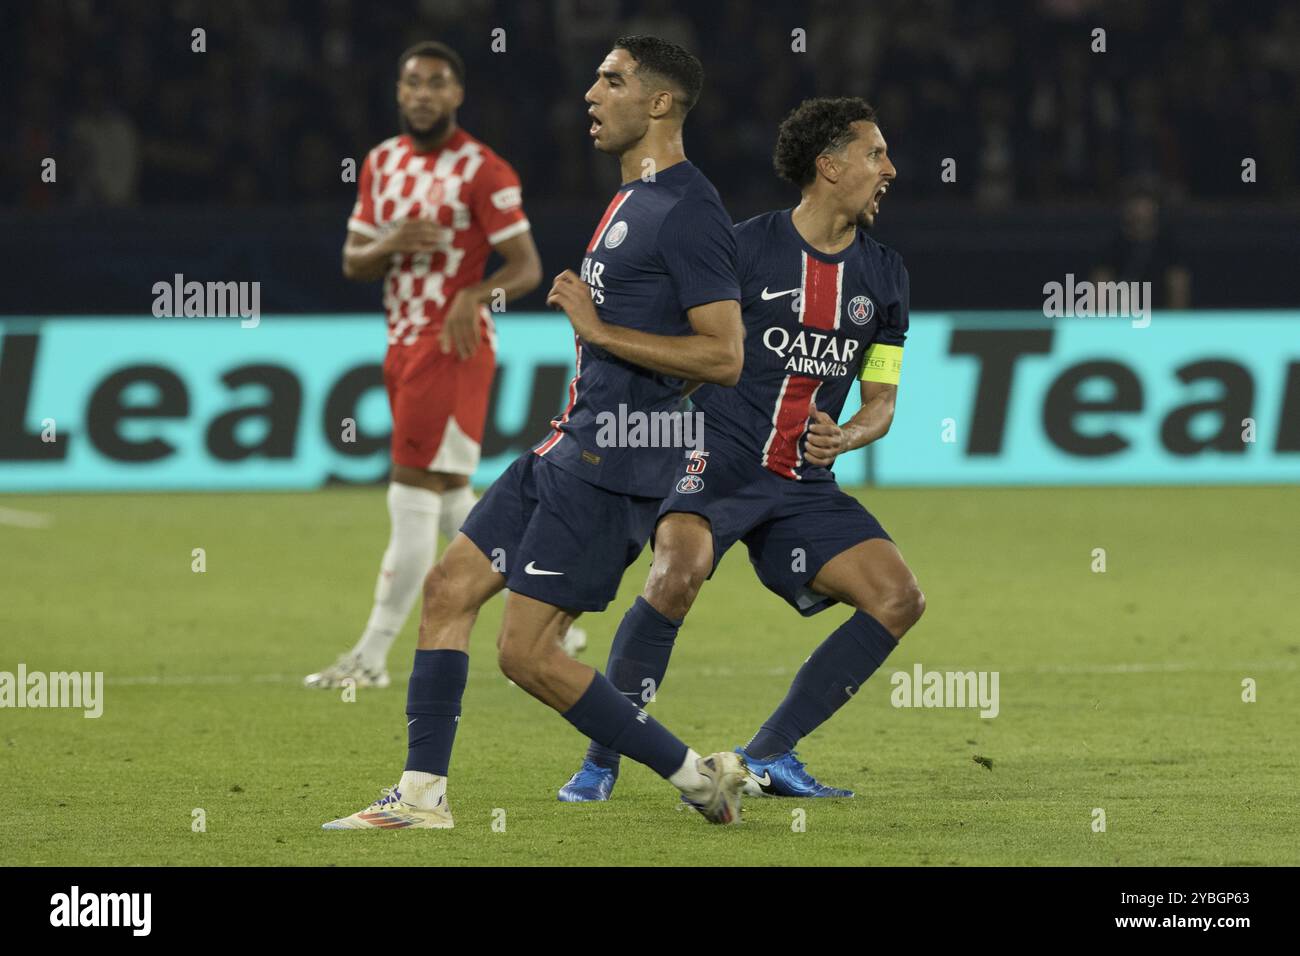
column 824, row 305
column 657, row 306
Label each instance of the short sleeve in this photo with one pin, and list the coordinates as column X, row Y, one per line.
column 496, row 201
column 362, row 219
column 893, row 327
column 746, row 249
column 883, row 360
column 698, row 246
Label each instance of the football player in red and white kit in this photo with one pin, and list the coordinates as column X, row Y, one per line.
column 431, row 205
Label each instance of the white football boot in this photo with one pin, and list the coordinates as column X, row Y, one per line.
column 719, row 801
column 348, row 666
column 391, row 812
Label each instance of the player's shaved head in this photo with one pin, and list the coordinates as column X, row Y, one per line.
column 661, row 65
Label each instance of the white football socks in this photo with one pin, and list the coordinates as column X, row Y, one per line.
column 456, row 506
column 421, row 789
column 412, row 545
column 688, row 778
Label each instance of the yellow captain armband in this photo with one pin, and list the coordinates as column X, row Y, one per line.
column 882, row 363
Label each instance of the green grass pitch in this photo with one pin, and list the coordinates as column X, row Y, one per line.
column 1119, row 690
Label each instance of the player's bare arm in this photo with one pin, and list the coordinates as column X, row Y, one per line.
column 519, row 274
column 367, row 260
column 714, row 352
column 827, row 440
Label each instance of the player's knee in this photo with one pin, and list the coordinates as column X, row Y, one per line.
column 899, row 608
column 916, row 603
column 519, row 663
column 512, row 663
column 673, row 586
column 907, row 604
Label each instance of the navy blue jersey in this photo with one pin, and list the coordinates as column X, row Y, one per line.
column 814, row 325
column 661, row 248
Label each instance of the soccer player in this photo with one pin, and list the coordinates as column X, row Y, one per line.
column 824, row 304
column 431, row 204
column 656, row 306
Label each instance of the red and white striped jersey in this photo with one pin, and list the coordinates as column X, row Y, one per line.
column 814, row 325
column 463, row 186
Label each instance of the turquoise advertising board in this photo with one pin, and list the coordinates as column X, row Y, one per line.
column 108, row 403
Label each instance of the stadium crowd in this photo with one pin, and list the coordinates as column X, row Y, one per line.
column 284, row 91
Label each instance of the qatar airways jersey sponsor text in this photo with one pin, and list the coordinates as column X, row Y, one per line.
column 810, row 319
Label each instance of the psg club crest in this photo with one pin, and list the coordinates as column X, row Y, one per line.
column 689, row 485
column 861, row 309
column 617, row 233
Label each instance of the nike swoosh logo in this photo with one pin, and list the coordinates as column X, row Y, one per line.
column 531, row 569
column 776, row 295
column 763, row 781
column 411, row 721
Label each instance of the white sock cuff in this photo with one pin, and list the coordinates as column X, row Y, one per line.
column 421, row 789
column 687, row 778
column 411, row 498
column 456, row 495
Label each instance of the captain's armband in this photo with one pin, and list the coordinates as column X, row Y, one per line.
column 882, row 363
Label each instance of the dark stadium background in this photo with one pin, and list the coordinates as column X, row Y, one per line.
column 227, row 163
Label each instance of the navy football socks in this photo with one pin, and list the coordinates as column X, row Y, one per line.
column 609, row 718
column 640, row 652
column 433, row 708
column 824, row 684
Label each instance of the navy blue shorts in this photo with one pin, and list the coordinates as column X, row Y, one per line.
column 557, row 538
column 792, row 528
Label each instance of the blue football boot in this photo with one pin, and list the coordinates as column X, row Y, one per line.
column 783, row 776
column 589, row 784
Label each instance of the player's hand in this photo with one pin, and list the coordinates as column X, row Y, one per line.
column 825, row 439
column 413, row 236
column 572, row 295
column 460, row 327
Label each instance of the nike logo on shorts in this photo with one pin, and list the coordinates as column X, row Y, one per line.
column 532, row 569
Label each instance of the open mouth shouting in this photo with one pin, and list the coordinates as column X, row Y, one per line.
column 875, row 200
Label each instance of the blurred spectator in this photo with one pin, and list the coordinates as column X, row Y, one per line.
column 106, row 149
column 1144, row 252
column 1013, row 92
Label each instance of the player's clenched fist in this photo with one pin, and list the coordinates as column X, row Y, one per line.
column 571, row 294
column 413, row 235
column 825, row 439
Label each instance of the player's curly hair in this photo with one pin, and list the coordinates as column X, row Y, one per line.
column 669, row 62
column 814, row 127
